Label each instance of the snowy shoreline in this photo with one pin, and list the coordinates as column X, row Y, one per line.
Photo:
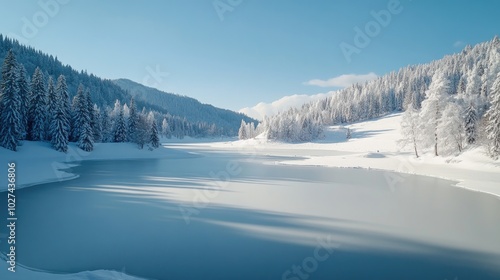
column 374, row 145
column 37, row 163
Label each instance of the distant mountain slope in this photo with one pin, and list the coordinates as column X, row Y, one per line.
column 189, row 108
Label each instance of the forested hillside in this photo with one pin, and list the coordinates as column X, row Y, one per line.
column 451, row 103
column 201, row 120
column 190, row 108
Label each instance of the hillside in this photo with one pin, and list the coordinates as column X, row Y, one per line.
column 187, row 107
column 452, row 104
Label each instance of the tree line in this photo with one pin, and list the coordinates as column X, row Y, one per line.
column 40, row 110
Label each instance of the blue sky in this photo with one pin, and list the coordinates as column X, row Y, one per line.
column 236, row 53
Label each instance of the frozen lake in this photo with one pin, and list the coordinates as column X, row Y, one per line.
column 225, row 215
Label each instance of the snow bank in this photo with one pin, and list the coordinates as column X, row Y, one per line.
column 37, row 162
column 374, row 145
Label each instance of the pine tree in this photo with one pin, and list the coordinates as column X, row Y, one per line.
column 10, row 132
column 451, row 129
column 82, row 119
column 143, row 134
column 493, row 120
column 52, row 107
column 74, row 128
column 165, row 128
column 242, row 132
column 62, row 93
column 37, row 114
column 97, row 124
column 132, row 122
column 432, row 107
column 106, row 126
column 154, row 139
column 24, row 92
column 59, row 123
column 85, row 141
column 120, row 132
column 470, row 125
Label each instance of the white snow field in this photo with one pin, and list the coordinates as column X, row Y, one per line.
column 256, row 210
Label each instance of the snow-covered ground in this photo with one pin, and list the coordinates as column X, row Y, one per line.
column 374, row 145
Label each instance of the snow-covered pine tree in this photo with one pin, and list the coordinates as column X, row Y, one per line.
column 154, row 139
column 432, row 107
column 74, row 128
column 165, row 128
column 242, row 132
column 59, row 123
column 85, row 141
column 470, row 123
column 106, row 126
column 93, row 119
column 142, row 130
column 52, row 107
column 10, row 131
column 24, row 92
column 410, row 129
column 120, row 131
column 251, row 130
column 493, row 120
column 474, row 82
column 462, row 86
column 37, row 114
column 451, row 129
column 132, row 122
column 82, row 121
column 62, row 93
column 97, row 124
